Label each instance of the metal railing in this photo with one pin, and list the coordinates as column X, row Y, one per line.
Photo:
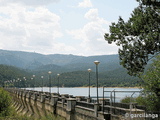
column 85, row 104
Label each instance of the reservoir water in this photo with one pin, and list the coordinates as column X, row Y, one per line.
column 120, row 93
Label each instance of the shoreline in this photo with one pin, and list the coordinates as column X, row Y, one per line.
column 104, row 87
column 92, row 87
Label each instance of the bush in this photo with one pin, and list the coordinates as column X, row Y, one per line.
column 127, row 100
column 150, row 101
column 5, row 103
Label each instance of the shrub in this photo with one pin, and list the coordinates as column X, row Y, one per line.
column 150, row 101
column 127, row 100
column 5, row 102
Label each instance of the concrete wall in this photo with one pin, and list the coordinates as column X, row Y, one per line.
column 38, row 104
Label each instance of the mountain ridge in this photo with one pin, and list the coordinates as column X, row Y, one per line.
column 73, row 69
column 35, row 61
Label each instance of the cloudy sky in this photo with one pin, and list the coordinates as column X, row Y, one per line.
column 60, row 26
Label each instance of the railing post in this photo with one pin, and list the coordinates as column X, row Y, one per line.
column 21, row 94
column 111, row 103
column 54, row 100
column 96, row 109
column 63, row 100
column 88, row 100
column 29, row 95
column 53, row 103
column 71, row 102
column 43, row 96
column 34, row 96
column 24, row 94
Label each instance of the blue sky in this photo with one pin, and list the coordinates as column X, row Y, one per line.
column 61, row 26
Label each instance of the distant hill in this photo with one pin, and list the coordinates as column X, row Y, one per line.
column 60, row 62
column 10, row 73
column 73, row 69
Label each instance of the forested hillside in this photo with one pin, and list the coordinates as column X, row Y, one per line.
column 117, row 78
column 19, row 67
column 15, row 77
column 57, row 62
column 8, row 73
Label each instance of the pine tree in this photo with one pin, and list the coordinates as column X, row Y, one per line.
column 139, row 37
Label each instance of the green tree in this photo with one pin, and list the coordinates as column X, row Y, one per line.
column 152, row 84
column 151, row 93
column 152, row 77
column 5, row 102
column 139, row 37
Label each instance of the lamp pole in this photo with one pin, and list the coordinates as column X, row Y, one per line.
column 49, row 72
column 58, row 83
column 42, row 82
column 89, row 70
column 14, row 83
column 33, row 82
column 24, row 82
column 18, row 83
column 96, row 63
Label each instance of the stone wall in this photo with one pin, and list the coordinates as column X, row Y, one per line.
column 38, row 104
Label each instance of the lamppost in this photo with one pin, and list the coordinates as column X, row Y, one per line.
column 49, row 72
column 89, row 70
column 96, row 63
column 24, row 82
column 14, row 83
column 42, row 82
column 33, row 81
column 18, row 85
column 58, row 83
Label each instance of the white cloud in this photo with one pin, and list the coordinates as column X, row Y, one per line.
column 31, row 26
column 92, row 14
column 92, row 35
column 28, row 2
column 25, row 29
column 85, row 4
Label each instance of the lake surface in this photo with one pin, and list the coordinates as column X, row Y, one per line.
column 120, row 93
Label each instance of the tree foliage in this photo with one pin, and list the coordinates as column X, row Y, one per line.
column 14, row 77
column 151, row 85
column 150, row 96
column 152, row 77
column 139, row 37
column 8, row 73
column 5, row 102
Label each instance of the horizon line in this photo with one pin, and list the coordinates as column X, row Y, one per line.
column 56, row 53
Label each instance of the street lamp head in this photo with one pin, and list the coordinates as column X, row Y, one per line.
column 49, row 72
column 89, row 70
column 96, row 62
